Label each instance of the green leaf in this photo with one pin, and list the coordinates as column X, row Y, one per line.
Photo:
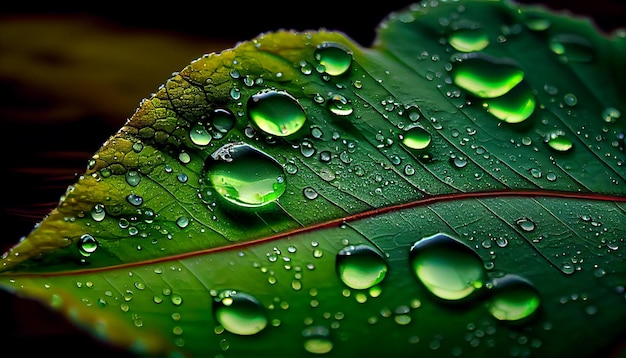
column 457, row 188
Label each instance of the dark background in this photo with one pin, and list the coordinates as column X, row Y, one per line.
column 71, row 75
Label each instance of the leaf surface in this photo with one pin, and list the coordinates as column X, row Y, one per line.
column 278, row 198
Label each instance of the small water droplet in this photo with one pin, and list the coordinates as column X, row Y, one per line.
column 98, row 213
column 309, row 193
column 335, row 58
column 525, row 224
column 560, row 142
column 360, row 266
column 245, row 176
column 276, row 112
column 570, row 99
column 132, row 177
column 485, row 76
column 339, row 105
column 87, row 245
column 512, row 298
column 317, row 340
column 571, row 47
column 448, row 268
column 239, row 312
column 610, row 114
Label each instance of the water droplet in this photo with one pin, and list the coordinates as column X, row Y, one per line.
column 448, row 268
column 134, row 199
column 309, row 193
column 317, row 340
column 525, row 224
column 485, row 76
column 514, row 106
column 239, row 312
column 87, row 245
column 559, row 141
column 570, row 99
column 97, row 212
column 360, row 266
column 245, row 176
column 132, row 177
column 512, row 298
column 416, row 138
column 276, row 112
column 571, row 47
column 537, row 22
column 610, row 114
column 222, row 119
column 339, row 105
column 468, row 39
column 199, row 135
column 335, row 58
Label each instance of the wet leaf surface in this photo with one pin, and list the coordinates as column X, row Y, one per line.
column 301, row 194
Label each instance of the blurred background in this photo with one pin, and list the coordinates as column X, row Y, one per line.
column 70, row 76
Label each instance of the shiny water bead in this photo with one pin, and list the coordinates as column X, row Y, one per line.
column 239, row 312
column 360, row 266
column 484, row 76
column 571, row 47
column 276, row 112
column 245, row 176
column 335, row 58
column 514, row 106
column 416, row 138
column 468, row 39
column 512, row 298
column 448, row 268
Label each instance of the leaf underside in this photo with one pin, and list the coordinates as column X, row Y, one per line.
column 253, row 174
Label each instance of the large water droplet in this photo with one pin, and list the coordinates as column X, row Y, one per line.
column 512, row 298
column 571, row 47
column 484, row 76
column 239, row 312
column 468, row 39
column 361, row 266
column 276, row 112
column 199, row 135
column 416, row 138
column 339, row 105
column 513, row 107
column 245, row 176
column 447, row 267
column 335, row 58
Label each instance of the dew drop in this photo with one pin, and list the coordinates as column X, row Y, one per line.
column 360, row 266
column 335, row 58
column 448, row 268
column 199, row 135
column 276, row 112
column 87, row 245
column 416, row 138
column 132, row 177
column 525, row 224
column 97, row 212
column 245, row 176
column 222, row 119
column 513, row 107
column 512, row 298
column 468, row 39
column 484, row 76
column 239, row 312
column 559, row 142
column 309, row 193
column 610, row 114
column 571, row 48
column 317, row 340
column 339, row 105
